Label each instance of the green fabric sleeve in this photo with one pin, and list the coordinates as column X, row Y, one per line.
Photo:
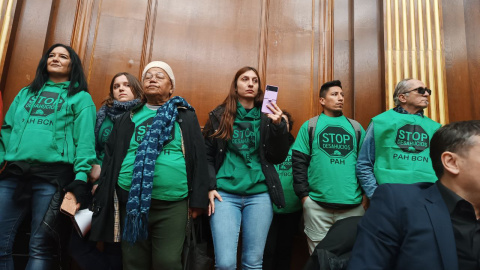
column 7, row 126
column 84, row 138
column 302, row 142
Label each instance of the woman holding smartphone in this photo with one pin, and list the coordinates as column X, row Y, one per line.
column 242, row 146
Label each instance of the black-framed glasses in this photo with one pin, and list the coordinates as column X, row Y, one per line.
column 420, row 90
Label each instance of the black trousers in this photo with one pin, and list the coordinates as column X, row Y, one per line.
column 278, row 249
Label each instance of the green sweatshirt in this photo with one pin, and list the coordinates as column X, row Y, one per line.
column 292, row 202
column 241, row 172
column 50, row 128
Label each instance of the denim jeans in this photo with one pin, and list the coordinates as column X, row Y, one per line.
column 253, row 213
column 41, row 246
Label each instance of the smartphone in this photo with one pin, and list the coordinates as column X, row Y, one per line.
column 270, row 96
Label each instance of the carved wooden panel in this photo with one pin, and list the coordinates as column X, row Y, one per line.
column 368, row 63
column 26, row 46
column 462, row 57
column 297, row 45
column 413, row 41
column 7, row 14
column 206, row 42
column 289, row 42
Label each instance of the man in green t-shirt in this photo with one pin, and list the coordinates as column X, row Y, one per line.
column 397, row 149
column 324, row 156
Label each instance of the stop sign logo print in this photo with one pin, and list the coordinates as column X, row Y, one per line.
column 335, row 141
column 412, row 139
column 45, row 104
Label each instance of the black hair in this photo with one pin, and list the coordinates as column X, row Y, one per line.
column 77, row 77
column 455, row 137
column 326, row 86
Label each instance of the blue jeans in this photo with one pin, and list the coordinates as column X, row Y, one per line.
column 41, row 246
column 254, row 214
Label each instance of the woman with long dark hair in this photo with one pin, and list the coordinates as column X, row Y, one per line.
column 47, row 143
column 242, row 146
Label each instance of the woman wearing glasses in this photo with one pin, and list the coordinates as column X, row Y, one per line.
column 155, row 160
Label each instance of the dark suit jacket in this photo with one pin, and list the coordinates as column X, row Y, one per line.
column 406, row 227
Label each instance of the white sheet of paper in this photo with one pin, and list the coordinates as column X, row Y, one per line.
column 83, row 221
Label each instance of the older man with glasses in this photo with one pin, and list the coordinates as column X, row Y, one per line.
column 397, row 142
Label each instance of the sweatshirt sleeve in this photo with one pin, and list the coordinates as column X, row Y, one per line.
column 84, row 138
column 7, row 127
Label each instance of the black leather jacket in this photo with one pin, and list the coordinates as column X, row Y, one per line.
column 273, row 150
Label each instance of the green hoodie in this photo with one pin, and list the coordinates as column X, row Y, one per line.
column 292, row 202
column 50, row 127
column 241, row 172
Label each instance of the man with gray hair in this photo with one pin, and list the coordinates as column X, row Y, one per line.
column 428, row 225
column 397, row 142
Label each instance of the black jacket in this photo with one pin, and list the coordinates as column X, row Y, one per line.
column 300, row 163
column 115, row 152
column 273, row 150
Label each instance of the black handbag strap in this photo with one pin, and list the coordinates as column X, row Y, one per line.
column 190, row 231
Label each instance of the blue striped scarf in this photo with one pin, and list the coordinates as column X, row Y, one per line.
column 139, row 198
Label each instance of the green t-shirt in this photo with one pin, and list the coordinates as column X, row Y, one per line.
column 103, row 135
column 170, row 175
column 292, row 202
column 331, row 173
column 402, row 148
column 241, row 171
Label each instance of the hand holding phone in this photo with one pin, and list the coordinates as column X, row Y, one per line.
column 270, row 96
